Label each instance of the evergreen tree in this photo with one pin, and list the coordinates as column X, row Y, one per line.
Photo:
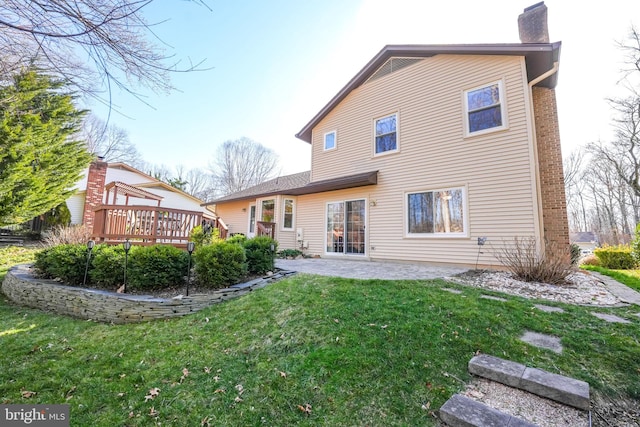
column 40, row 160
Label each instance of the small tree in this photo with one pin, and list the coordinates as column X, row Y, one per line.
column 39, row 160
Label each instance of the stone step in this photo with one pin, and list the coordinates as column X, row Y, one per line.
column 568, row 391
column 460, row 411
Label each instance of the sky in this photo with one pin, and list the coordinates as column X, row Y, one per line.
column 273, row 65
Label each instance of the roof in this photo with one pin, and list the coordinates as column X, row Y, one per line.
column 583, row 236
column 539, row 58
column 299, row 184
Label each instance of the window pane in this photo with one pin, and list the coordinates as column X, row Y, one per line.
column 449, row 211
column 288, row 214
column 485, row 97
column 385, row 143
column 386, row 125
column 420, row 213
column 268, row 207
column 329, row 141
column 355, row 227
column 485, row 119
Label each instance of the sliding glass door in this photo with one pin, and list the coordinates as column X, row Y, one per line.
column 346, row 227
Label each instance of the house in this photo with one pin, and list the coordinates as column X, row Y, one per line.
column 118, row 201
column 586, row 240
column 428, row 149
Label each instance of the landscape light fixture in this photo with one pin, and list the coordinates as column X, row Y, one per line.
column 127, row 247
column 90, row 245
column 190, row 247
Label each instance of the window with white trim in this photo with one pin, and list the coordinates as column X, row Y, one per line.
column 437, row 213
column 386, row 134
column 330, row 140
column 485, row 109
column 287, row 214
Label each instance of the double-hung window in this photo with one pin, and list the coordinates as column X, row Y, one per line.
column 437, row 213
column 386, row 134
column 485, row 108
column 287, row 215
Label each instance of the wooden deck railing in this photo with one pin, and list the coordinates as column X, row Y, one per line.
column 266, row 229
column 147, row 224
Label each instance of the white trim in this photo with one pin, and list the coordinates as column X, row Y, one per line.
column 259, row 208
column 375, row 120
column 335, row 141
column 502, row 104
column 255, row 219
column 465, row 213
column 293, row 213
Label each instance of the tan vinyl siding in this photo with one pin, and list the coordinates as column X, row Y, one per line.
column 232, row 214
column 495, row 168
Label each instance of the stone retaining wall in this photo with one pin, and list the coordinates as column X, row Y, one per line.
column 23, row 288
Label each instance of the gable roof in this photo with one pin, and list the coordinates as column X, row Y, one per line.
column 583, row 237
column 299, row 184
column 539, row 58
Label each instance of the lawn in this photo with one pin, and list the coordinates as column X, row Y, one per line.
column 307, row 350
column 631, row 278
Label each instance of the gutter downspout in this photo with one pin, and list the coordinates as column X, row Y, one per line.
column 546, row 74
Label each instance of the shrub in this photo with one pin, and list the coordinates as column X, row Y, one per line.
column 66, row 262
column 202, row 237
column 635, row 245
column 62, row 235
column 529, row 265
column 261, row 253
column 107, row 265
column 616, row 257
column 289, row 253
column 576, row 252
column 590, row 259
column 238, row 239
column 219, row 264
column 157, row 266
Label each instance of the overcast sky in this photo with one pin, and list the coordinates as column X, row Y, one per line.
column 275, row 64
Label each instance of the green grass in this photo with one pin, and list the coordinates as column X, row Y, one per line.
column 13, row 255
column 359, row 352
column 631, row 278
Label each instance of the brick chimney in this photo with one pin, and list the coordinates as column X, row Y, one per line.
column 95, row 190
column 532, row 24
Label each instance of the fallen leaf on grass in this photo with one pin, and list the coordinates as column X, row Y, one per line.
column 26, row 394
column 120, row 394
column 336, row 320
column 237, row 399
column 153, row 412
column 426, row 406
column 185, row 372
column 220, row 390
column 283, row 374
column 240, row 388
column 384, row 326
column 205, row 422
column 306, row 408
column 207, row 370
column 152, row 394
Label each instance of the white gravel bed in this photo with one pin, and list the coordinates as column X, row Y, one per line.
column 582, row 288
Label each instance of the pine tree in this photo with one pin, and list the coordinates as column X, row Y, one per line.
column 40, row 160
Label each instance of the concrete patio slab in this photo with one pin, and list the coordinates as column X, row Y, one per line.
column 612, row 318
column 548, row 309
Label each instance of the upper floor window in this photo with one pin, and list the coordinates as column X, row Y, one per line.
column 386, row 133
column 330, row 140
column 437, row 212
column 287, row 219
column 485, row 109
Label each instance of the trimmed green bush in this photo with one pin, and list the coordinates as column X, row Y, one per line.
column 238, row 239
column 201, row 237
column 616, row 257
column 289, row 253
column 66, row 262
column 156, row 267
column 261, row 254
column 219, row 264
column 107, row 266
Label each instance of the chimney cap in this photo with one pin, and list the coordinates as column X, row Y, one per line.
column 526, row 9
